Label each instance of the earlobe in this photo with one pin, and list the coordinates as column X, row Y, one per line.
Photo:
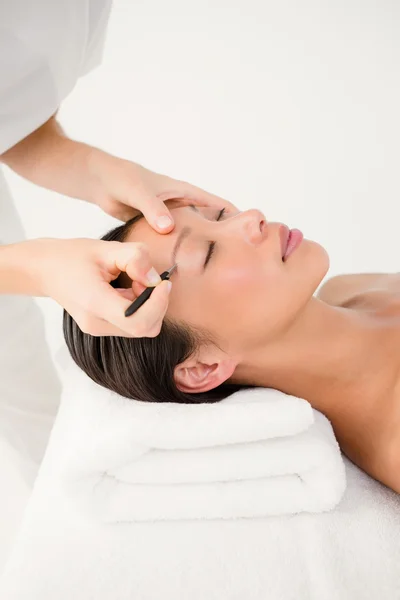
column 194, row 376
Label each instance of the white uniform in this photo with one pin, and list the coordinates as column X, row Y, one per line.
column 45, row 46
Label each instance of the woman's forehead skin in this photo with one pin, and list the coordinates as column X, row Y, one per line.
column 161, row 246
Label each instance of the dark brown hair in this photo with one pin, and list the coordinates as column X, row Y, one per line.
column 139, row 368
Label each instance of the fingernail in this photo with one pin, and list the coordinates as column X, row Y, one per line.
column 153, row 277
column 163, row 222
column 169, row 285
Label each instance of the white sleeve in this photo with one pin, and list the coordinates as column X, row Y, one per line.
column 28, row 95
column 45, row 46
column 99, row 14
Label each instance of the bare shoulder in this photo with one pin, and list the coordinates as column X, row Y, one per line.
column 392, row 463
column 391, row 445
column 386, row 465
column 372, row 441
column 361, row 289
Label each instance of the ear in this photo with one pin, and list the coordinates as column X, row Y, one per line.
column 196, row 375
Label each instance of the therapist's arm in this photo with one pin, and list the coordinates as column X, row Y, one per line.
column 77, row 273
column 120, row 187
column 18, row 264
column 50, row 159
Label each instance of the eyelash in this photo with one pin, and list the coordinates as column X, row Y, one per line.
column 212, row 244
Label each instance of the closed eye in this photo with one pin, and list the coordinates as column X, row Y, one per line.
column 212, row 244
column 209, row 253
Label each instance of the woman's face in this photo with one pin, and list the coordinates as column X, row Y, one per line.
column 231, row 279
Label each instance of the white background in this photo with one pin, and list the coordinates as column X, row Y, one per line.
column 291, row 107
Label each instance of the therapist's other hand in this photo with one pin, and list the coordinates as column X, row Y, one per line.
column 77, row 274
column 123, row 189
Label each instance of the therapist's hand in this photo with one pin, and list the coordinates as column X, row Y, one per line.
column 77, row 274
column 123, row 188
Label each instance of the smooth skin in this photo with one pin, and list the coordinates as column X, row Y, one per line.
column 338, row 350
column 77, row 273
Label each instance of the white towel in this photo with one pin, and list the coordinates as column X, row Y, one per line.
column 351, row 552
column 259, row 452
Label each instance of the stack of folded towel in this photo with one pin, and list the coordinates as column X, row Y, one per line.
column 259, row 452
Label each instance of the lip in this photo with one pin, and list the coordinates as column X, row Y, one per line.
column 290, row 240
column 284, row 234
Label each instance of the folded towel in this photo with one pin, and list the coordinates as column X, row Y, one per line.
column 259, row 452
column 349, row 553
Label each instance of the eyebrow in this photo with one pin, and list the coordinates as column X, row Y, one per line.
column 186, row 231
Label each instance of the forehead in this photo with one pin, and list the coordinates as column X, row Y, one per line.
column 160, row 246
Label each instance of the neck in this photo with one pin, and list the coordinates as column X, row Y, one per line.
column 327, row 351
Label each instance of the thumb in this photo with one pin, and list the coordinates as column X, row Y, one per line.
column 157, row 214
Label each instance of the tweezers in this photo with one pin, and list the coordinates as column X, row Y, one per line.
column 145, row 295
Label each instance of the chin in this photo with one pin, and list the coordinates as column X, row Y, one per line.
column 311, row 263
column 315, row 253
column 319, row 260
column 323, row 257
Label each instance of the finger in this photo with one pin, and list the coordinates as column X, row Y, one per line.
column 137, row 288
column 133, row 292
column 97, row 327
column 122, row 212
column 186, row 201
column 109, row 305
column 131, row 257
column 204, row 202
column 127, row 293
column 156, row 214
column 126, row 214
column 200, row 197
column 150, row 315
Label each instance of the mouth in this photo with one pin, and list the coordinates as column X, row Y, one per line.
column 290, row 240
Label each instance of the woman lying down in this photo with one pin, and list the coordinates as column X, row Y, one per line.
column 242, row 312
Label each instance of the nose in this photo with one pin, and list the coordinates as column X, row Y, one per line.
column 251, row 225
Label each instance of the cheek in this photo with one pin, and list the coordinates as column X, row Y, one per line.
column 249, row 296
column 232, row 297
column 257, row 295
column 241, row 294
column 239, row 277
column 215, row 301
